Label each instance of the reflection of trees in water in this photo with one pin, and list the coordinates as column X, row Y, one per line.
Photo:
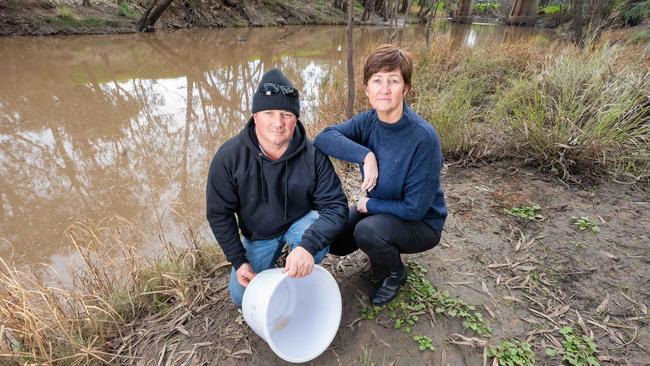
column 95, row 126
column 119, row 143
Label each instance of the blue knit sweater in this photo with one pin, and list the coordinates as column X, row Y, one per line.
column 409, row 160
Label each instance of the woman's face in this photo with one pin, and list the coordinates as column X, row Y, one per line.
column 386, row 91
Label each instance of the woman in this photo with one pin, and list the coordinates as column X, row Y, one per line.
column 400, row 157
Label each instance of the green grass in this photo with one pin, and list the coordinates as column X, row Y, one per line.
column 640, row 37
column 125, row 10
column 637, row 12
column 484, row 7
column 66, row 13
column 530, row 213
column 66, row 18
column 550, row 10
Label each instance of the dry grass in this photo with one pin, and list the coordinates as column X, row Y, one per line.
column 115, row 288
column 583, row 114
column 577, row 114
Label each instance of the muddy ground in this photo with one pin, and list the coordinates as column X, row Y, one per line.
column 529, row 279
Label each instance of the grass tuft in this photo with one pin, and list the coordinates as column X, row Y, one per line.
column 125, row 10
column 77, row 324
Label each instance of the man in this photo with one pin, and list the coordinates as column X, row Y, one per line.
column 282, row 189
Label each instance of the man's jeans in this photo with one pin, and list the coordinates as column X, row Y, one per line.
column 262, row 254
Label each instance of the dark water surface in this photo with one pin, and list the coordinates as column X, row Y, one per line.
column 93, row 127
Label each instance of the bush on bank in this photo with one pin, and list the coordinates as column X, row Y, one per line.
column 580, row 115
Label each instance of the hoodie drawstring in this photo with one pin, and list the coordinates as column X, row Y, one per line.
column 286, row 187
column 265, row 197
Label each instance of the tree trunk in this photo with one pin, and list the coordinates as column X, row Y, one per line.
column 406, row 13
column 432, row 15
column 381, row 7
column 350, row 106
column 151, row 15
column 405, row 3
column 338, row 4
column 368, row 7
column 577, row 23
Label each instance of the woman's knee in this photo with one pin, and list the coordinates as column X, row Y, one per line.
column 371, row 233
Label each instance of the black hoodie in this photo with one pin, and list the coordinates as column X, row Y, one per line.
column 268, row 196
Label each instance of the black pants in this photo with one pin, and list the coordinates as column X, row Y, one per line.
column 383, row 237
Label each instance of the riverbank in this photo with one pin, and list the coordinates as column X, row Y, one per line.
column 47, row 17
column 67, row 17
column 547, row 186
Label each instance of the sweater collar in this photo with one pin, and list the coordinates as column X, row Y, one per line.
column 401, row 123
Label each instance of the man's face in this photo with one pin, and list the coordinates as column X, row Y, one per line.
column 274, row 127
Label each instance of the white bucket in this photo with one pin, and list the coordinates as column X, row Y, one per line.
column 297, row 317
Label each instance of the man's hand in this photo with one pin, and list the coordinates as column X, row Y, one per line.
column 299, row 263
column 370, row 172
column 245, row 274
column 361, row 205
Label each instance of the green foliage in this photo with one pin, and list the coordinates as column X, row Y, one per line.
column 584, row 223
column 513, row 353
column 551, row 352
column 66, row 13
column 578, row 350
column 66, row 17
column 484, row 7
column 371, row 313
column 424, row 343
column 530, row 213
column 637, row 12
column 550, row 10
column 125, row 10
column 417, row 297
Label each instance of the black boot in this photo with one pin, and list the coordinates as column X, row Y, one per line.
column 389, row 287
column 375, row 277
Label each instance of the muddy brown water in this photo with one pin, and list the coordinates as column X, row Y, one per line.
column 125, row 126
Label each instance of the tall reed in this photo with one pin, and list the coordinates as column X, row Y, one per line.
column 112, row 287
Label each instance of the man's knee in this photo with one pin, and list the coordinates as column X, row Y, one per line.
column 295, row 232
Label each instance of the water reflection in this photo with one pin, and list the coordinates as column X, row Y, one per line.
column 126, row 125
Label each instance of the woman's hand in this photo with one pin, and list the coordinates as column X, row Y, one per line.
column 370, row 172
column 361, row 205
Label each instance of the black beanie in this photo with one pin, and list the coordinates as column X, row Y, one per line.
column 263, row 102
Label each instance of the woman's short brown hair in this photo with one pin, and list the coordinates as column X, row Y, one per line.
column 388, row 57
